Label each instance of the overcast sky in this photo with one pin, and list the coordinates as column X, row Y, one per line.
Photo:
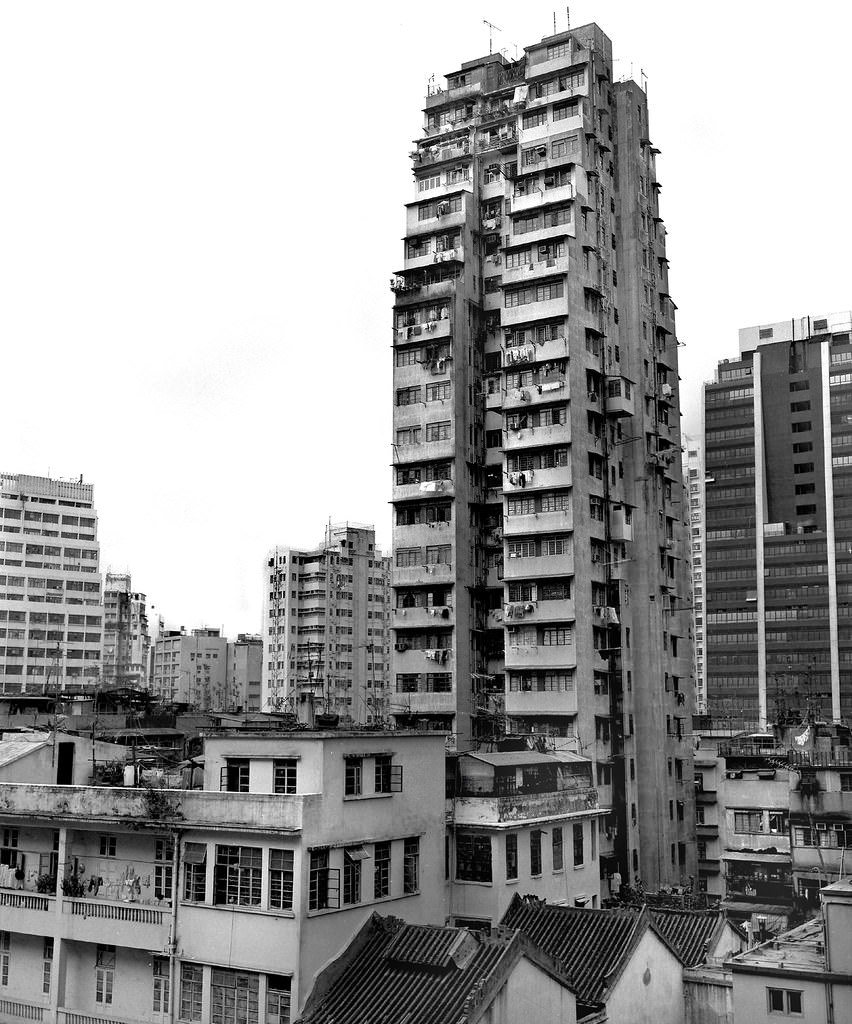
column 201, row 205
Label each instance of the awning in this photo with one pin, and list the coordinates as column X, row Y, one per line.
column 356, row 852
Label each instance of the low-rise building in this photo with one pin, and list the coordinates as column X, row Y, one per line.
column 621, row 969
column 521, row 820
column 207, row 905
column 803, row 974
column 419, row 974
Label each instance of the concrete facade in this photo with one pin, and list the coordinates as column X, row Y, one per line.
column 539, row 530
column 51, row 606
column 126, row 640
column 192, row 669
column 169, row 900
column 326, row 628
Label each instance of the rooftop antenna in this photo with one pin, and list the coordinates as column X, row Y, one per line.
column 491, row 29
column 568, row 16
column 644, row 81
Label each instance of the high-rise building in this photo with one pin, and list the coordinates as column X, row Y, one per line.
column 126, row 641
column 540, row 584
column 326, row 627
column 778, row 495
column 192, row 669
column 693, row 476
column 245, row 673
column 51, row 611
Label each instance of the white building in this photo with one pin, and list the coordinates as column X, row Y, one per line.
column 219, row 905
column 51, row 611
column 522, row 821
column 191, row 669
column 326, row 627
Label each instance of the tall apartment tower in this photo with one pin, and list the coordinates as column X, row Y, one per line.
column 326, row 627
column 778, row 486
column 539, row 580
column 693, row 473
column 51, row 611
column 126, row 640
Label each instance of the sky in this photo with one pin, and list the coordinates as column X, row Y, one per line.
column 201, row 204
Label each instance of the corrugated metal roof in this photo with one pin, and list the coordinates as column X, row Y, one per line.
column 410, row 973
column 588, row 943
column 17, row 745
column 507, row 758
column 686, row 932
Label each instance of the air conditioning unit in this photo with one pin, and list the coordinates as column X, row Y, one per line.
column 593, row 396
column 667, row 391
column 549, row 180
column 821, row 826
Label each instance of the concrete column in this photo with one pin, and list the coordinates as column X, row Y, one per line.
column 759, row 521
column 828, row 474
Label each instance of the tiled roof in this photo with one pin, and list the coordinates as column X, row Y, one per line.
column 393, row 973
column 687, row 933
column 589, row 944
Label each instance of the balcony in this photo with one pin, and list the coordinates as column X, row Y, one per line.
column 425, row 489
column 423, row 703
column 520, row 703
column 532, row 311
column 405, row 659
column 540, row 565
column 461, row 92
column 408, row 574
column 538, row 656
column 537, row 479
column 75, row 805
column 441, row 328
column 417, row 617
column 437, row 154
column 422, row 534
column 520, row 807
column 539, row 522
column 536, row 270
column 534, row 437
column 561, row 194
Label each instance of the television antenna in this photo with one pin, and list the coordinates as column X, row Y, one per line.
column 491, row 29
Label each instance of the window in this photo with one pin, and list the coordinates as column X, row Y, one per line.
column 353, row 775
column 104, row 973
column 473, row 857
column 163, row 869
column 352, row 857
column 284, row 776
column 388, row 776
column 160, row 968
column 411, row 865
column 323, row 882
column 557, row 849
column 535, row 852
column 511, row 856
column 277, row 999
column 281, row 879
column 47, row 964
column 195, row 872
column 234, row 777
column 748, row 821
column 381, row 870
column 191, row 985
column 107, row 846
column 441, row 431
column 234, row 997
column 4, row 958
column 784, row 1000
column 237, row 876
column 578, row 845
column 438, row 392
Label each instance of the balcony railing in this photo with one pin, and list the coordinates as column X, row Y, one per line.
column 24, row 900
column 114, row 911
column 17, row 1010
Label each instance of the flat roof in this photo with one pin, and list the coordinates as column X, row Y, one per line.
column 802, row 949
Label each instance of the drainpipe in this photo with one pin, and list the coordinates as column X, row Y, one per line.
column 173, row 922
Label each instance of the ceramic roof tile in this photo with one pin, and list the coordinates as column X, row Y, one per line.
column 588, row 943
column 686, row 932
